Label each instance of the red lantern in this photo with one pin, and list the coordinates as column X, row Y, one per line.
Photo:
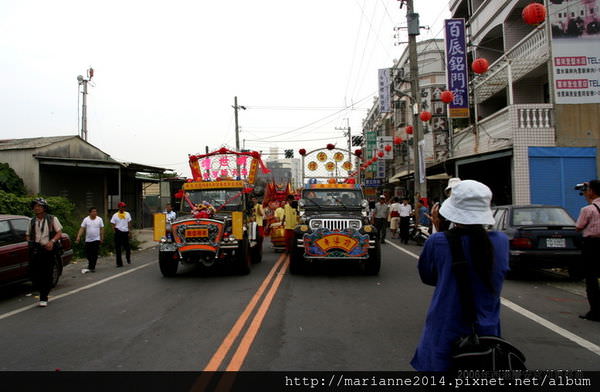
column 374, row 159
column 534, row 14
column 330, row 146
column 425, row 116
column 447, row 96
column 409, row 130
column 398, row 140
column 351, row 181
column 480, row 65
column 302, row 151
column 381, row 154
column 358, row 152
column 387, row 148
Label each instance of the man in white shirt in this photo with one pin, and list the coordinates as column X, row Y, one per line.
column 382, row 211
column 394, row 216
column 405, row 210
column 93, row 226
column 121, row 223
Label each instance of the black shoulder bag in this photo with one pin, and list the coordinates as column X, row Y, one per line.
column 474, row 352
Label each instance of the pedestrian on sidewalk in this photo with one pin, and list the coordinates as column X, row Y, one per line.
column 382, row 210
column 43, row 237
column 93, row 226
column 589, row 223
column 405, row 212
column 486, row 253
column 121, row 223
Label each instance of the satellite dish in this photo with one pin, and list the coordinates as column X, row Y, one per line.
column 80, row 78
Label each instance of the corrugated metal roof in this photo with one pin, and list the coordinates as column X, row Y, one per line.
column 34, row 142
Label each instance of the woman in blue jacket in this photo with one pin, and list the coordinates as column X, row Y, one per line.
column 468, row 208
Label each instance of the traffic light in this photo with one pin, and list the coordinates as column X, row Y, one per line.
column 289, row 153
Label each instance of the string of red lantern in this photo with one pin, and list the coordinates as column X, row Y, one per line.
column 480, row 65
column 425, row 116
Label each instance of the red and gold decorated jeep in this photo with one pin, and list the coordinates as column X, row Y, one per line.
column 214, row 223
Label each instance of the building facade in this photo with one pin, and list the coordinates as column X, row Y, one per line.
column 520, row 140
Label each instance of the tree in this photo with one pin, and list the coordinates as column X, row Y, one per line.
column 9, row 180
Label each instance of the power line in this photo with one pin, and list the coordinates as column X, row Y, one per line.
column 353, row 54
column 295, row 140
column 317, row 121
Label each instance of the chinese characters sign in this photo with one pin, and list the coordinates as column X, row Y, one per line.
column 456, row 67
column 225, row 166
column 575, row 51
column 385, row 99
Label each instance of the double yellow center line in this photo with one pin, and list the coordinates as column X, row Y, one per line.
column 274, row 280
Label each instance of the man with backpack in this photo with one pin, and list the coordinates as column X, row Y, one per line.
column 43, row 236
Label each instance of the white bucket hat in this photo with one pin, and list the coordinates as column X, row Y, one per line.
column 452, row 183
column 469, row 204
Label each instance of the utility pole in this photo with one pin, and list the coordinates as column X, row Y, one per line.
column 412, row 20
column 346, row 128
column 237, row 128
column 84, row 82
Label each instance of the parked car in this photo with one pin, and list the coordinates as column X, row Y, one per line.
column 14, row 252
column 541, row 236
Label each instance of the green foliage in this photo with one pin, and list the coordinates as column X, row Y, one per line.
column 10, row 181
column 63, row 209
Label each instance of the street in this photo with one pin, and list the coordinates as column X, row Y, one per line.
column 133, row 319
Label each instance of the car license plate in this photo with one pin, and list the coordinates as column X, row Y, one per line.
column 556, row 243
column 193, row 233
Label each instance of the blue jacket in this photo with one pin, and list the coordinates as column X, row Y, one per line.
column 444, row 324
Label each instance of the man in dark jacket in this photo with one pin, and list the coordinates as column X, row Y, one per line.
column 42, row 235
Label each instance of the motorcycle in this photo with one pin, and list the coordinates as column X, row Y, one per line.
column 418, row 233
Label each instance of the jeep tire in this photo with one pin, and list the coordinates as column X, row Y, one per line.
column 243, row 258
column 168, row 265
column 372, row 265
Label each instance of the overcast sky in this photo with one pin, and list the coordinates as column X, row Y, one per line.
column 166, row 72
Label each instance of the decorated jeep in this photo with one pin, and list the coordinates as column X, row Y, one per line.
column 213, row 225
column 334, row 223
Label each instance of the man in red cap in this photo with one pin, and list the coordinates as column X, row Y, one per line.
column 121, row 223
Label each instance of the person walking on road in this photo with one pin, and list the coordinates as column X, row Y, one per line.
column 121, row 223
column 258, row 215
column 405, row 212
column 290, row 220
column 394, row 217
column 589, row 223
column 486, row 254
column 43, row 236
column 93, row 226
column 382, row 210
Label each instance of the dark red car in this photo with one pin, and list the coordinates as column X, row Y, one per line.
column 14, row 252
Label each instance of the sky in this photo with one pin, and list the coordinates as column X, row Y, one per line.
column 166, row 73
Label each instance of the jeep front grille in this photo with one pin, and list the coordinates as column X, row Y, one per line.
column 339, row 224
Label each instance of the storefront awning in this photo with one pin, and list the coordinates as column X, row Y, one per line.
column 439, row 176
column 396, row 177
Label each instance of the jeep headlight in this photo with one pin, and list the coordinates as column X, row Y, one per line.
column 364, row 204
column 316, row 224
column 301, row 203
column 354, row 224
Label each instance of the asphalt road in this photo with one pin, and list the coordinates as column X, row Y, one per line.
column 133, row 319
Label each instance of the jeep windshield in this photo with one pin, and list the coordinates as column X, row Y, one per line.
column 229, row 199
column 349, row 199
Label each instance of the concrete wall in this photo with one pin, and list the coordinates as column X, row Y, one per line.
column 26, row 167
